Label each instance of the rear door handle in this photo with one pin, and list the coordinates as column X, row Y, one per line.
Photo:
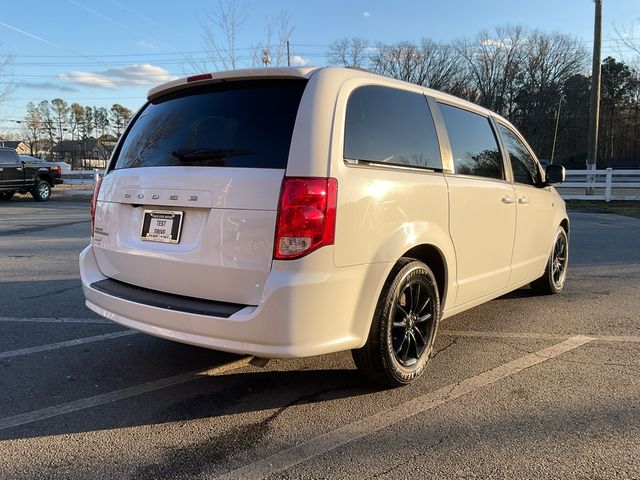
column 523, row 200
column 507, row 199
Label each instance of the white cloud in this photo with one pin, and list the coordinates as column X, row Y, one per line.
column 145, row 44
column 139, row 74
column 492, row 42
column 47, row 86
column 366, row 14
column 506, row 43
column 298, row 61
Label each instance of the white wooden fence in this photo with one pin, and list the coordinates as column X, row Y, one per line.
column 82, row 177
column 604, row 185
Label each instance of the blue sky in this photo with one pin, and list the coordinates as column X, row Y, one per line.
column 100, row 52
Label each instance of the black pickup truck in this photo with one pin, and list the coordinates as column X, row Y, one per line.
column 36, row 177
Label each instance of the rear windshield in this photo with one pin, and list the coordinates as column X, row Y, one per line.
column 236, row 124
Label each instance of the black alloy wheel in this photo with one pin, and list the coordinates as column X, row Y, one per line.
column 413, row 322
column 555, row 274
column 404, row 326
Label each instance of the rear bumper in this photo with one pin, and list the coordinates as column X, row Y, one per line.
column 304, row 311
column 57, row 181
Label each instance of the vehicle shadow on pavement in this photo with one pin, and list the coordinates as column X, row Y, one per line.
column 205, row 396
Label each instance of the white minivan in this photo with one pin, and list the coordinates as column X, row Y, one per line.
column 288, row 212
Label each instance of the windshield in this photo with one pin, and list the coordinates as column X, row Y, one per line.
column 236, row 124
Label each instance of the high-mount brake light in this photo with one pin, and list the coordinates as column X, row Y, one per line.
column 202, row 76
column 94, row 202
column 306, row 216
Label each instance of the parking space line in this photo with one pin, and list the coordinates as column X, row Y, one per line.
column 65, row 344
column 109, row 397
column 57, row 320
column 536, row 336
column 330, row 441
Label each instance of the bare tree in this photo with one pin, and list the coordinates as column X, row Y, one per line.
column 76, row 119
column 87, row 125
column 220, row 30
column 493, row 64
column 349, row 52
column 401, row 60
column 48, row 125
column 32, row 126
column 100, row 121
column 429, row 64
column 550, row 60
column 626, row 39
column 60, row 110
column 277, row 31
column 120, row 116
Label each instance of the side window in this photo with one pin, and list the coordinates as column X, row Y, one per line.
column 473, row 144
column 390, row 126
column 7, row 157
column 523, row 165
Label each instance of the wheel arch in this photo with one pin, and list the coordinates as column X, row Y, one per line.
column 46, row 176
column 428, row 252
column 433, row 257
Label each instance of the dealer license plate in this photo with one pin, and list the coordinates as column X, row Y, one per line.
column 161, row 226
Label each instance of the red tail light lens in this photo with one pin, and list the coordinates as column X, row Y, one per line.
column 59, row 171
column 94, row 201
column 306, row 216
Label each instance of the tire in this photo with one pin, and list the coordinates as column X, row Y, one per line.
column 6, row 195
column 555, row 273
column 404, row 326
column 41, row 191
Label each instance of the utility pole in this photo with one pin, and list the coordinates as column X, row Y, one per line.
column 555, row 130
column 594, row 109
column 288, row 54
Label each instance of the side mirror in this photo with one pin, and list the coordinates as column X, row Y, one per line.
column 553, row 174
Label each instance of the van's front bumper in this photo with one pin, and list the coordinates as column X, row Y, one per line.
column 309, row 307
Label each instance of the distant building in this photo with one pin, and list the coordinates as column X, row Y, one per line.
column 19, row 146
column 90, row 152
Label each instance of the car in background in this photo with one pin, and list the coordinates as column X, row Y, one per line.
column 64, row 166
column 26, row 175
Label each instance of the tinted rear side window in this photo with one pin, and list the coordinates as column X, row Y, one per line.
column 390, row 126
column 473, row 144
column 236, row 124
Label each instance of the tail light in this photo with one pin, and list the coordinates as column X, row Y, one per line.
column 59, row 169
column 306, row 216
column 94, row 201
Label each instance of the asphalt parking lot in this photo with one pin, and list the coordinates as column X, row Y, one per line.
column 521, row 387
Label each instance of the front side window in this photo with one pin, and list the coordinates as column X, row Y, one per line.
column 473, row 144
column 386, row 125
column 525, row 169
column 232, row 124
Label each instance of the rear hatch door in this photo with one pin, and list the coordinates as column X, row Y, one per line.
column 189, row 203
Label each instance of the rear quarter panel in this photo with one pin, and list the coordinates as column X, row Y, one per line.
column 382, row 213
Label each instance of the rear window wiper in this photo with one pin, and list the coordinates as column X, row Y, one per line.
column 187, row 154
